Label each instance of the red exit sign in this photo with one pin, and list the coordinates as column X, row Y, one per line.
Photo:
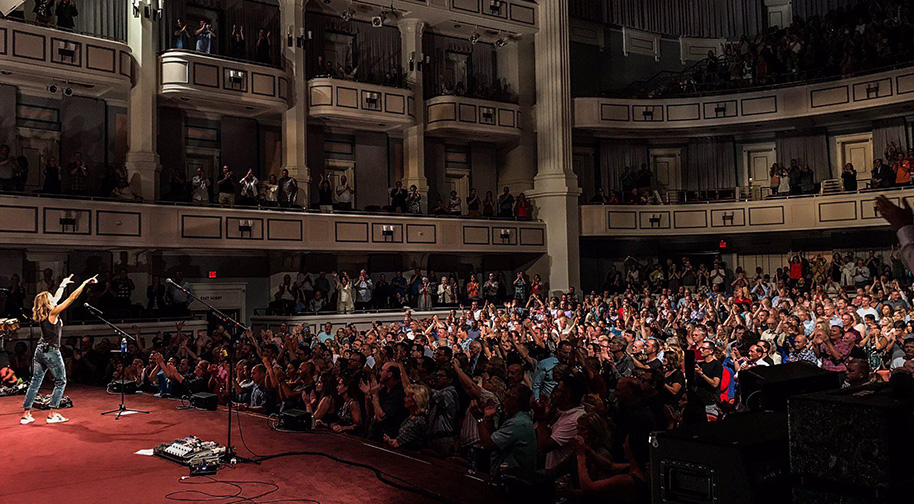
column 212, row 274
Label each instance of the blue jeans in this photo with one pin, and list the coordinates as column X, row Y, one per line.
column 49, row 359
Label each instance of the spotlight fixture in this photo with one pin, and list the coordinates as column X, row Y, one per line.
column 346, row 15
column 378, row 21
column 136, row 9
column 474, row 38
column 495, row 6
column 501, row 42
column 52, row 88
column 68, row 91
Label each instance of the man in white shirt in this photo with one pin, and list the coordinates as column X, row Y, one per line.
column 344, row 193
column 898, row 362
column 866, row 308
column 556, row 439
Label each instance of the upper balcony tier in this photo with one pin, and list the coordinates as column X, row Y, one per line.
column 472, row 119
column 831, row 102
column 508, row 16
column 35, row 57
column 358, row 105
column 799, row 213
column 222, row 85
column 54, row 222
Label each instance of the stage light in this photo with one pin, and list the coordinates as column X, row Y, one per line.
column 474, row 38
column 501, row 42
column 378, row 21
column 52, row 88
column 68, row 91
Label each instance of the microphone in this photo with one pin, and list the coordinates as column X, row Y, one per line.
column 93, row 309
column 172, row 282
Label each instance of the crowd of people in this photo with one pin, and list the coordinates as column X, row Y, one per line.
column 344, row 294
column 58, row 13
column 566, row 384
column 202, row 38
column 846, row 41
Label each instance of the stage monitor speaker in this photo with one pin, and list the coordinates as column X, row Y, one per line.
column 129, row 386
column 768, row 387
column 204, row 401
column 854, row 441
column 742, row 458
column 296, row 420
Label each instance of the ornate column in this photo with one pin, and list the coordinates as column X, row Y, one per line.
column 142, row 161
column 295, row 119
column 411, row 31
column 555, row 187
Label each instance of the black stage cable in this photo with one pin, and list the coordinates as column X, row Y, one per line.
column 195, row 495
column 382, row 476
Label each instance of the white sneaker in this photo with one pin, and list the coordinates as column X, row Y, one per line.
column 57, row 418
column 26, row 420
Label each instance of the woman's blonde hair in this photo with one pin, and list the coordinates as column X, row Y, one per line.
column 421, row 397
column 42, row 306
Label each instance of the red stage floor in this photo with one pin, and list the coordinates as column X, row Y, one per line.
column 92, row 459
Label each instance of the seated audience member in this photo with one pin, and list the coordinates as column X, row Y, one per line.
column 513, row 443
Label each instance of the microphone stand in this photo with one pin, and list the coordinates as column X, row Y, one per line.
column 121, row 409
column 230, row 456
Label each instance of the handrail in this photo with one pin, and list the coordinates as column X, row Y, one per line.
column 242, row 61
column 296, row 209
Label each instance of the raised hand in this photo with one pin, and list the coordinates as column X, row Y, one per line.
column 66, row 281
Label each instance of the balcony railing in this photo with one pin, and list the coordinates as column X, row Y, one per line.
column 29, row 219
column 781, row 213
column 360, row 105
column 208, row 82
column 748, row 110
column 34, row 56
column 472, row 118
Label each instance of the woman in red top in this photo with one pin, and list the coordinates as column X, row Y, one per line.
column 522, row 209
column 536, row 287
column 796, row 268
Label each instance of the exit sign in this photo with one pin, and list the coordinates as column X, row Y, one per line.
column 212, row 274
column 722, row 244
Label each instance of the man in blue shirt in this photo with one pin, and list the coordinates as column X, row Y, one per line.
column 513, row 445
column 326, row 334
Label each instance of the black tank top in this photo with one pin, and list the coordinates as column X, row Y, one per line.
column 51, row 333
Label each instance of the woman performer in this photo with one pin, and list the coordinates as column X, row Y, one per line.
column 46, row 311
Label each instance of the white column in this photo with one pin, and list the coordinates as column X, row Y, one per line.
column 516, row 64
column 295, row 119
column 411, row 31
column 556, row 188
column 142, row 158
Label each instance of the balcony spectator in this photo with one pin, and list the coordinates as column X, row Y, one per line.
column 78, row 175
column 424, row 301
column 488, row 205
column 414, row 200
column 344, row 297
column 381, row 294
column 523, row 210
column 288, row 190
column 473, row 289
column 177, row 184
column 628, row 180
column 202, row 187
column 506, row 204
column 398, row 197
column 807, row 179
column 520, row 288
column 7, row 168
column 250, row 191
column 440, row 208
column 123, row 192
column 474, row 204
column 285, row 296
column 204, row 36
column 123, row 291
column 20, row 173
column 263, row 53
column 644, row 179
column 53, row 177
column 317, row 303
column 344, row 194
column 155, row 297
column 227, row 187
column 269, row 191
column 454, row 204
column 44, row 11
column 363, row 291
column 599, row 197
column 181, row 37
column 490, row 289
column 15, row 299
column 613, row 198
column 902, row 168
column 66, row 11
column 882, row 175
column 237, row 42
column 446, row 293
column 325, row 194
column 849, row 178
column 774, row 178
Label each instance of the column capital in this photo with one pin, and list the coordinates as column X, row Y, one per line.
column 412, row 26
